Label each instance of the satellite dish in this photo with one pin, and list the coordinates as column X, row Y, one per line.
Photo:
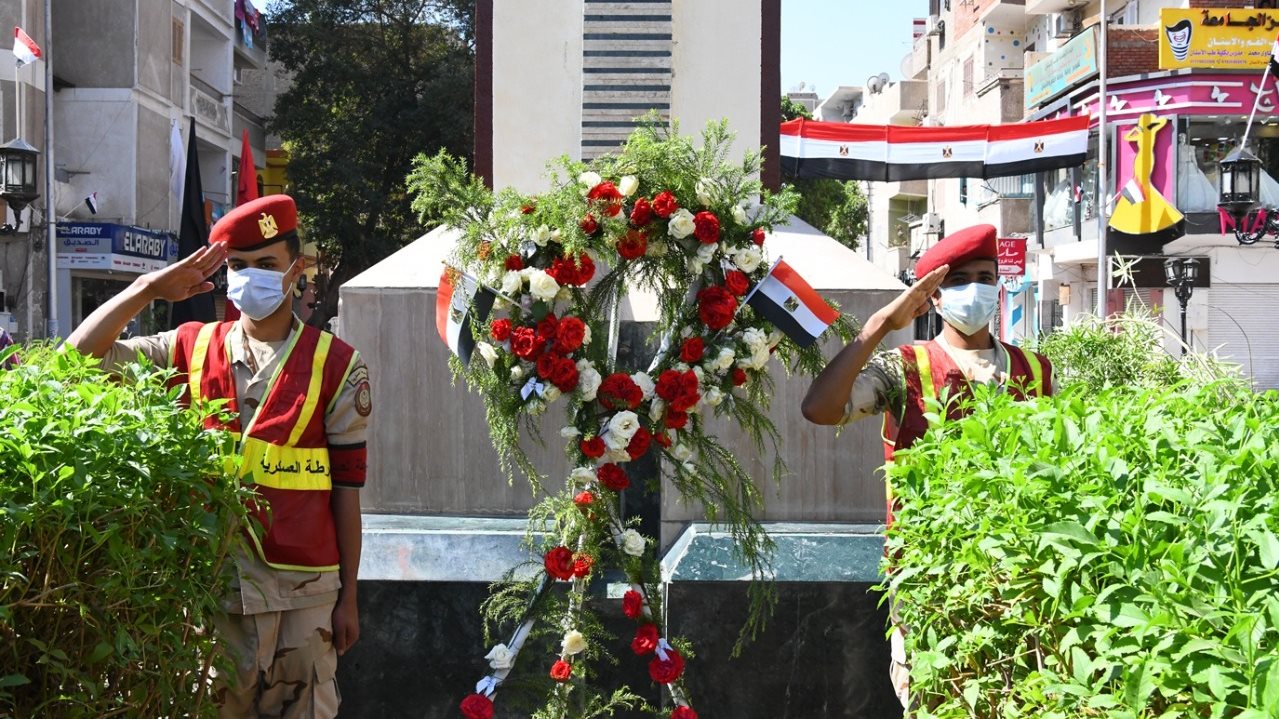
column 874, row 84
column 883, row 79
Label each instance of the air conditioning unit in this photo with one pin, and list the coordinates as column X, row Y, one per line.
column 930, row 223
column 1063, row 24
column 933, row 26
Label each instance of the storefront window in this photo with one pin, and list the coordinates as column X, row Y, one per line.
column 91, row 292
column 1063, row 193
column 1204, row 142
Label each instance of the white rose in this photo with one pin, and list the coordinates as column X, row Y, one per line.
column 704, row 190
column 590, row 179
column 570, row 432
column 487, row 352
column 588, row 380
column 713, row 396
column 512, row 283
column 582, row 475
column 706, row 253
column 739, row 214
column 748, row 260
column 621, row 427
column 628, row 185
column 681, row 224
column 541, row 236
column 574, row 643
column 550, row 393
column 755, row 337
column 725, row 359
column 633, row 543
column 682, row 452
column 543, row 286
column 517, row 372
column 656, row 409
column 500, row 657
column 645, row 383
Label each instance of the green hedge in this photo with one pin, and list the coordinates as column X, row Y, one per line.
column 1111, row 553
column 115, row 522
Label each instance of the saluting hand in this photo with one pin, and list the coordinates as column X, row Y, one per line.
column 914, row 301
column 187, row 277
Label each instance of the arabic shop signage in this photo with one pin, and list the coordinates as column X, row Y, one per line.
column 1074, row 63
column 108, row 246
column 1012, row 256
column 1221, row 38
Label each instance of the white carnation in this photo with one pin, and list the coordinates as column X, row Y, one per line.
column 748, row 259
column 681, row 224
column 621, row 427
column 588, row 380
column 542, row 235
column 500, row 657
column 487, row 352
column 574, row 643
column 628, row 185
column 512, row 283
column 633, row 543
column 754, row 338
column 543, row 286
column 645, row 383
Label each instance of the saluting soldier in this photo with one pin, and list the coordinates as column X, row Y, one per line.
column 300, row 403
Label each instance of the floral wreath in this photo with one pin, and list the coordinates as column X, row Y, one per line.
column 671, row 218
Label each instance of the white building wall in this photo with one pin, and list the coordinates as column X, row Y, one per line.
column 717, row 73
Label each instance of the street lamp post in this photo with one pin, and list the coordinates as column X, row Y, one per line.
column 17, row 179
column 1182, row 272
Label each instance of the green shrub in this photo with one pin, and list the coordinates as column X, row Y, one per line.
column 1109, row 554
column 115, row 523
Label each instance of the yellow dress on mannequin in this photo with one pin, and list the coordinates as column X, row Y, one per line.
column 1140, row 209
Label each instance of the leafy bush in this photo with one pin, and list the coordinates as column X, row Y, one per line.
column 1095, row 554
column 115, row 524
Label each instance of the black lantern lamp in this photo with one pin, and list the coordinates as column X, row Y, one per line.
column 1239, row 194
column 18, row 179
column 1182, row 273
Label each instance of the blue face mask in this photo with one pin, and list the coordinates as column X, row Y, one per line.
column 256, row 292
column 968, row 308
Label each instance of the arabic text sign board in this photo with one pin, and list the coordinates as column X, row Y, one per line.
column 1012, row 256
column 1220, row 38
column 108, row 246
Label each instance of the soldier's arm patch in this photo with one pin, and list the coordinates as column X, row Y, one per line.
column 363, row 399
column 359, row 375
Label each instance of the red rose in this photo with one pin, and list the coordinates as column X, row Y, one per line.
column 683, row 713
column 477, row 706
column 593, row 447
column 706, row 227
column 583, row 499
column 570, row 335
column 546, row 365
column 642, row 213
column 632, row 604
column 607, row 194
column 562, row 271
column 739, row 376
column 619, row 391
column 639, row 443
column 582, row 565
column 564, row 374
column 500, row 329
column 561, row 670
column 665, row 672
column 632, row 245
column 663, row 439
column 758, row 236
column 665, row 204
column 737, row 282
column 585, row 269
column 679, row 389
column 525, row 343
column 676, row 419
column 692, row 350
column 716, row 307
column 645, row 640
column 589, row 225
column 514, row 263
column 559, row 563
column 577, row 272
column 548, row 328
column 612, row 476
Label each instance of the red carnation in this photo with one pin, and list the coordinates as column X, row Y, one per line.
column 739, row 376
column 642, row 213
column 706, row 227
column 585, row 269
column 683, row 713
column 737, row 282
column 665, row 204
column 633, row 245
column 612, row 476
column 514, row 263
column 639, row 443
column 528, row 209
column 645, row 640
column 559, row 563
column 582, row 565
column 548, row 328
column 607, row 194
column 570, row 335
column 758, row 236
column 692, row 350
column 716, row 307
column 663, row 439
column 583, row 499
column 589, row 224
column 500, row 330
column 561, row 670
column 564, row 374
column 477, row 706
column 619, row 391
column 593, row 447
column 676, row 420
column 562, row 271
column 525, row 343
column 632, row 604
column 666, row 672
column 679, row 389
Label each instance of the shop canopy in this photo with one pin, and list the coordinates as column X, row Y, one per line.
column 892, row 153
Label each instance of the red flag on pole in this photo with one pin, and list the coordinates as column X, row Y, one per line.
column 247, row 187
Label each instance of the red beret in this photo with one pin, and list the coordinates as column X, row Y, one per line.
column 257, row 223
column 973, row 243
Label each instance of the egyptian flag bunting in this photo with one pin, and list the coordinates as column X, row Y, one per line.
column 459, row 298
column 91, row 202
column 24, row 48
column 790, row 303
column 890, row 153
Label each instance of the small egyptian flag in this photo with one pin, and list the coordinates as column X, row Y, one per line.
column 24, row 48
column 786, row 300
column 1274, row 57
column 91, row 202
column 459, row 299
column 1133, row 193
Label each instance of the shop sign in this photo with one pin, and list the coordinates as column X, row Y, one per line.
column 1073, row 63
column 1216, row 38
column 1012, row 256
column 108, row 246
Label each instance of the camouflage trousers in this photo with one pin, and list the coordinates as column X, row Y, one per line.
column 285, row 665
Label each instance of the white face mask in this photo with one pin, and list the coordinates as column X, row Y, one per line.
column 968, row 308
column 256, row 292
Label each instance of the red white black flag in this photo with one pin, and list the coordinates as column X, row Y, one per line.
column 24, row 48
column 792, row 305
column 459, row 300
column 891, row 153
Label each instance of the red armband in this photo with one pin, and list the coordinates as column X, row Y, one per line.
column 350, row 464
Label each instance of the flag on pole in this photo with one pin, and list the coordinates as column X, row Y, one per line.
column 177, row 160
column 459, row 299
column 1132, row 192
column 246, row 186
column 792, row 305
column 194, row 234
column 24, row 48
column 92, row 203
